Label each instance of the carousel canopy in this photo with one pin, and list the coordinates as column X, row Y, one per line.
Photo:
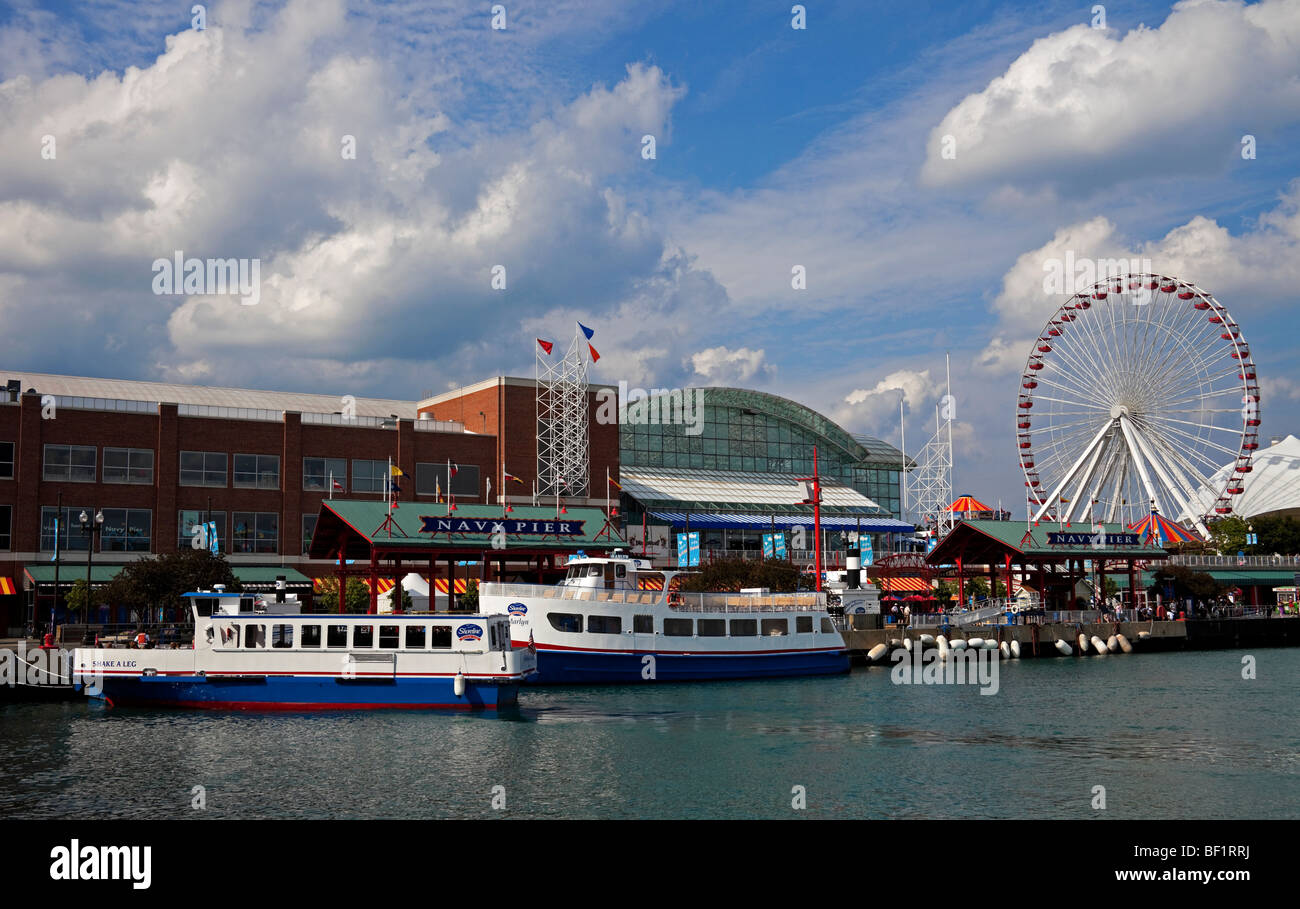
column 968, row 503
column 1161, row 531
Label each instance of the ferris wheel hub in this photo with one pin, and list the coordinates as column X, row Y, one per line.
column 1119, row 410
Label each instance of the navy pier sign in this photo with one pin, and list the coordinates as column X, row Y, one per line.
column 1086, row 539
column 444, row 524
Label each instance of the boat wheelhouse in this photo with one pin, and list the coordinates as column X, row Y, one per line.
column 272, row 657
column 616, row 619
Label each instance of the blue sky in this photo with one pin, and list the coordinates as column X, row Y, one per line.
column 521, row 147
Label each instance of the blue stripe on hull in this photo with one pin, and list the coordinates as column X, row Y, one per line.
column 303, row 693
column 556, row 667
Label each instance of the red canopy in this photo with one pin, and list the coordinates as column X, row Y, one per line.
column 968, row 503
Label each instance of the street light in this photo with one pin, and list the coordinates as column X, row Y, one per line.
column 92, row 529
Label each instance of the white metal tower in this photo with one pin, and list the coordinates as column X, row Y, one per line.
column 928, row 488
column 563, row 443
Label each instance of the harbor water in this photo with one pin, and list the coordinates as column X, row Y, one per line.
column 1174, row 735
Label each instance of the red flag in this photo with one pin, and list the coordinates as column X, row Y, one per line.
column 338, row 485
column 545, row 345
column 594, row 356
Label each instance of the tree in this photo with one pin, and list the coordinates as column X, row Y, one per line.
column 469, row 599
column 1186, row 582
column 356, row 596
column 1277, row 534
column 1228, row 535
column 777, row 575
column 81, row 597
column 151, row 583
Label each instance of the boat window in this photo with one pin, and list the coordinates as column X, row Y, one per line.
column 415, row 637
column 643, row 624
column 828, row 627
column 440, row 637
column 593, row 571
column 712, row 628
column 363, row 636
column 310, row 636
column 230, row 636
column 205, row 605
column 620, row 571
column 604, row 624
column 744, row 628
column 281, row 635
column 254, row 636
column 803, row 624
column 389, row 637
column 565, row 621
column 245, row 604
column 776, row 627
column 337, row 636
column 679, row 628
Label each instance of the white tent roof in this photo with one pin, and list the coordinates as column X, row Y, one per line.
column 1272, row 486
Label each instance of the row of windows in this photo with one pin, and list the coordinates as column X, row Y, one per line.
column 130, row 530
column 78, row 464
column 407, row 636
column 571, row 623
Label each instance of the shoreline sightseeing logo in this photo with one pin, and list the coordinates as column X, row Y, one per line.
column 517, row 609
column 469, row 633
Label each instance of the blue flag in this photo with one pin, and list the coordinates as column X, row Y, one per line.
column 586, row 331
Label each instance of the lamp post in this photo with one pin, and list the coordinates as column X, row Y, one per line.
column 91, row 528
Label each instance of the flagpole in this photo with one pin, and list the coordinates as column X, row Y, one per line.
column 389, row 480
column 331, row 486
column 449, row 496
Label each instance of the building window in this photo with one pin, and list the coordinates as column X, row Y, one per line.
column 126, row 530
column 6, row 520
column 430, row 479
column 257, row 471
column 255, row 531
column 368, row 476
column 70, row 535
column 190, row 524
column 317, row 474
column 128, row 465
column 203, row 468
column 6, row 460
column 308, row 528
column 73, row 463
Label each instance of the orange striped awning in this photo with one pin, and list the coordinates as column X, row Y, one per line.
column 908, row 585
column 7, row 587
column 386, row 584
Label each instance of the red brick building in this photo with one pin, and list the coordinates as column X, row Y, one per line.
column 159, row 459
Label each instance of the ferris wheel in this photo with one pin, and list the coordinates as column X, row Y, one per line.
column 1137, row 393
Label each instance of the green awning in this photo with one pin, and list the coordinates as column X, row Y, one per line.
column 427, row 527
column 250, row 576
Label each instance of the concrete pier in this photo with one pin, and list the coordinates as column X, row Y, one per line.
column 1039, row 640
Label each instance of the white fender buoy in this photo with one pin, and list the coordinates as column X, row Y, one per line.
column 458, row 685
column 1124, row 645
column 990, row 644
column 927, row 639
column 1083, row 642
column 1063, row 648
column 1006, row 650
column 875, row 653
column 975, row 643
column 944, row 649
column 1112, row 644
column 1099, row 645
column 895, row 642
column 941, row 641
column 1015, row 649
column 1143, row 635
column 959, row 644
column 907, row 644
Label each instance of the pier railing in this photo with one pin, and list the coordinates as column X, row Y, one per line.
column 682, row 601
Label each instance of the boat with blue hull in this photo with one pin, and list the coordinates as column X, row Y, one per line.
column 246, row 659
column 616, row 619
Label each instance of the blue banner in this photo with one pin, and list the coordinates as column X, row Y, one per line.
column 683, row 552
column 867, row 551
column 769, row 547
column 780, row 546
column 694, row 541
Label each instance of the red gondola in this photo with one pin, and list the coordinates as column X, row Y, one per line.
column 1216, row 319
column 1235, row 490
column 1200, row 304
column 1027, row 464
column 1250, row 446
column 1099, row 295
column 1152, row 285
column 1044, row 348
column 1026, row 404
column 1252, row 422
column 1035, row 365
column 1025, row 445
column 1030, row 384
column 1168, row 288
column 1023, row 425
column 1186, row 293
column 1054, row 332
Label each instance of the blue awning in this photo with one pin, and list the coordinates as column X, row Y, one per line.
column 718, row 521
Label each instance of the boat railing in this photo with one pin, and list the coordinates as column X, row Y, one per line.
column 678, row 601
